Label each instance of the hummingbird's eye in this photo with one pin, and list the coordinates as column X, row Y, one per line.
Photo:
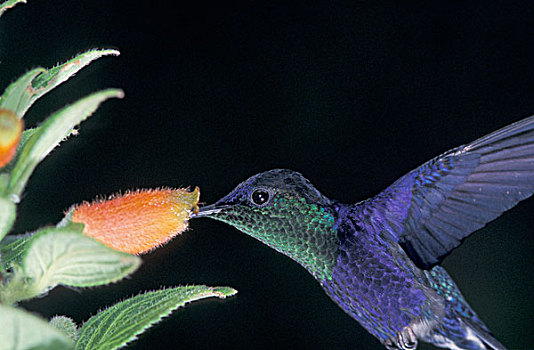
column 260, row 196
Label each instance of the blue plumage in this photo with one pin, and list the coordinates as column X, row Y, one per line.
column 378, row 259
column 462, row 190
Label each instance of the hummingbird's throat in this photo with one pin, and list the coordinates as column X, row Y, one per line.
column 304, row 232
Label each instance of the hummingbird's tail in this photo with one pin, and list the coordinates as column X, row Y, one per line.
column 460, row 327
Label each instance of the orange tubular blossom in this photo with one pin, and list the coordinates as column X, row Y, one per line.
column 138, row 221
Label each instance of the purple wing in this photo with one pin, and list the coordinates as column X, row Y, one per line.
column 433, row 208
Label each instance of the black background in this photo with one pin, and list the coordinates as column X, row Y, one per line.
column 351, row 94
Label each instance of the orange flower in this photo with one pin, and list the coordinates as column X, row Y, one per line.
column 10, row 130
column 139, row 221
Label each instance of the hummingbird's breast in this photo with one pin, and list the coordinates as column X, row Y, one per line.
column 370, row 280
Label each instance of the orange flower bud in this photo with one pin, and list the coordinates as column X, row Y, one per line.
column 10, row 130
column 139, row 221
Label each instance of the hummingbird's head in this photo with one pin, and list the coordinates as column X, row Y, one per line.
column 282, row 209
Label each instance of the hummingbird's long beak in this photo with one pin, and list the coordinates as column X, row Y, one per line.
column 207, row 210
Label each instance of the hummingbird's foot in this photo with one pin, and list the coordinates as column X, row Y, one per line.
column 406, row 339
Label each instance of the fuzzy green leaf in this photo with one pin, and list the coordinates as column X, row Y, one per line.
column 64, row 256
column 57, row 75
column 23, row 331
column 17, row 97
column 66, row 325
column 21, row 94
column 12, row 238
column 6, row 5
column 7, row 216
column 47, row 136
column 12, row 250
column 114, row 327
column 61, row 255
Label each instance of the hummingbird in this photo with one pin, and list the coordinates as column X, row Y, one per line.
column 378, row 259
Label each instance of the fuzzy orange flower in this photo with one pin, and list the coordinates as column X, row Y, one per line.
column 139, row 221
column 10, row 130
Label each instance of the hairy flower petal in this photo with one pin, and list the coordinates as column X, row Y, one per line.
column 138, row 221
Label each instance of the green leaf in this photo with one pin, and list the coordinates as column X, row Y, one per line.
column 4, row 181
column 21, row 94
column 66, row 325
column 116, row 326
column 62, row 256
column 12, row 238
column 17, row 97
column 12, row 250
column 7, row 216
column 6, row 5
column 57, row 75
column 47, row 136
column 21, row 330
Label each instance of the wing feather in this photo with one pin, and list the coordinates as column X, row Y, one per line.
column 446, row 199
